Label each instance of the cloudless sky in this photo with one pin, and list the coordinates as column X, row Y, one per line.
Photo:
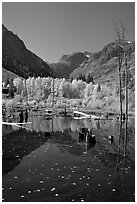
column 52, row 29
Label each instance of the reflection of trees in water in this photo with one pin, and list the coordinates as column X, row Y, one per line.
column 112, row 128
column 130, row 134
column 74, row 126
column 90, row 145
column 98, row 124
column 35, row 123
column 107, row 158
column 122, row 178
column 62, row 124
column 23, row 142
column 57, row 124
column 109, row 154
column 6, row 129
column 108, row 125
column 130, row 139
column 122, row 167
column 89, row 123
column 116, row 157
column 65, row 142
column 18, row 144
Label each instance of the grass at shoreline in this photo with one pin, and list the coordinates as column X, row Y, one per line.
column 59, row 110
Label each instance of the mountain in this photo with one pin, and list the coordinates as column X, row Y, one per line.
column 8, row 75
column 19, row 60
column 103, row 65
column 68, row 63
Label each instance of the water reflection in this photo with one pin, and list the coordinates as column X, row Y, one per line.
column 67, row 160
column 85, row 135
column 16, row 145
column 54, row 124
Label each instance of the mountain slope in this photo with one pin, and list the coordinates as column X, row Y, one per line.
column 18, row 59
column 103, row 65
column 8, row 75
column 68, row 63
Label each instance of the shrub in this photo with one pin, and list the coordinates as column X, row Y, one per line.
column 109, row 100
column 42, row 104
column 98, row 104
column 38, row 97
column 100, row 95
column 4, row 101
column 10, row 103
column 10, row 107
column 18, row 98
column 115, row 106
column 32, row 103
column 60, row 104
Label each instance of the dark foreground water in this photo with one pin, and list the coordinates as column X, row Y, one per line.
column 49, row 161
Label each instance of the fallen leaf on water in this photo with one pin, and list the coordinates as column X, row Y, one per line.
column 53, row 189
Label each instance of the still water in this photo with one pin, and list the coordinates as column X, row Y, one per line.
column 48, row 160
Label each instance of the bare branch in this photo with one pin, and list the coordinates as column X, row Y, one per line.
column 122, row 28
column 116, row 28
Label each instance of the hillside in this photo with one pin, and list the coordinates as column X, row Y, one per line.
column 18, row 59
column 103, row 65
column 68, row 63
column 7, row 74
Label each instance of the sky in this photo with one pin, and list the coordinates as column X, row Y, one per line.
column 53, row 29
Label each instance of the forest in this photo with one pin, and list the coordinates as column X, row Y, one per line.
column 49, row 92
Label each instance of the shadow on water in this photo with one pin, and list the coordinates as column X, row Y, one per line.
column 18, row 144
column 23, row 142
column 81, row 160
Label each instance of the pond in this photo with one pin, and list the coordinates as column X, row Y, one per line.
column 48, row 160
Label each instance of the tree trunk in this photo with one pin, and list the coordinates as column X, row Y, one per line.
column 126, row 100
column 53, row 94
column 120, row 97
column 120, row 89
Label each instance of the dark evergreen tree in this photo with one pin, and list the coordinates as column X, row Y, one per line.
column 99, row 87
column 71, row 78
column 89, row 78
column 11, row 92
column 7, row 81
column 83, row 78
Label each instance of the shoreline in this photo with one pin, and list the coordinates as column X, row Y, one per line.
column 59, row 110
